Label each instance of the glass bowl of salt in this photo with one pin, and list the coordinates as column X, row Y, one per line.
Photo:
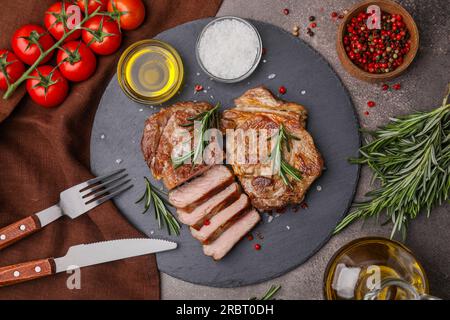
column 229, row 49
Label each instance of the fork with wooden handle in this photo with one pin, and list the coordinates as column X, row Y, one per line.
column 73, row 202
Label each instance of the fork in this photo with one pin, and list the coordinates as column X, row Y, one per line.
column 73, row 202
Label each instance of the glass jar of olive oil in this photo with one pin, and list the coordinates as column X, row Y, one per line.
column 150, row 72
column 375, row 268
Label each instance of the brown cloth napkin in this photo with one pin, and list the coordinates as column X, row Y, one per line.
column 44, row 151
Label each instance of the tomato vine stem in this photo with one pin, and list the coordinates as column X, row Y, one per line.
column 13, row 86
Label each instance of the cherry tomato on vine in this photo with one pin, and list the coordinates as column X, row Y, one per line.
column 11, row 68
column 47, row 87
column 76, row 61
column 103, row 35
column 92, row 5
column 26, row 41
column 129, row 14
column 54, row 19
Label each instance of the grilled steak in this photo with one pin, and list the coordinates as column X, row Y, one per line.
column 223, row 244
column 258, row 109
column 162, row 132
column 201, row 188
column 196, row 217
column 222, row 220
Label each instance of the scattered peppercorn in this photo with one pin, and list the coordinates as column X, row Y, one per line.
column 312, row 18
column 250, row 237
column 334, row 14
column 206, row 222
column 286, row 11
column 366, row 113
column 385, row 87
column 397, row 86
column 371, row 104
column 282, row 90
column 198, row 87
column 304, row 205
column 341, row 16
column 257, row 246
column 264, row 51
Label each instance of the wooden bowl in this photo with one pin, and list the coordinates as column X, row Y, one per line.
column 386, row 6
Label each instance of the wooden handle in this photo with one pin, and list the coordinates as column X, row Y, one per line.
column 18, row 230
column 26, row 271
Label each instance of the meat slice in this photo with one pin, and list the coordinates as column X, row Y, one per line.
column 196, row 217
column 257, row 109
column 222, row 220
column 163, row 131
column 228, row 239
column 201, row 188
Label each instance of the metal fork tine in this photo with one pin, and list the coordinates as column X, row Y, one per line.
column 104, row 191
column 87, row 192
column 98, row 179
column 97, row 202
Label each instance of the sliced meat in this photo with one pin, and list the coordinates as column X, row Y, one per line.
column 222, row 220
column 196, row 217
column 163, row 131
column 227, row 240
column 201, row 188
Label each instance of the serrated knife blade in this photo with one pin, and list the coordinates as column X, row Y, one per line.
column 84, row 255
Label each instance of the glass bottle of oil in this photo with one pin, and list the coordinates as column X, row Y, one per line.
column 374, row 268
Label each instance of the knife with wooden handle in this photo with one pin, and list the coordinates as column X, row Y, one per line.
column 82, row 255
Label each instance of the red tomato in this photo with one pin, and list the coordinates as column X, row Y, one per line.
column 11, row 68
column 103, row 36
column 76, row 61
column 53, row 21
column 92, row 5
column 25, row 43
column 128, row 13
column 47, row 87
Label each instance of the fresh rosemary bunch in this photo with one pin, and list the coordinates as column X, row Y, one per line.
column 208, row 119
column 157, row 198
column 410, row 157
column 269, row 294
column 285, row 170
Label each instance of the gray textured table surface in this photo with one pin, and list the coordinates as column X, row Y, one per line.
column 422, row 88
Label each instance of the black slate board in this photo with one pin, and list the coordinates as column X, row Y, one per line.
column 292, row 237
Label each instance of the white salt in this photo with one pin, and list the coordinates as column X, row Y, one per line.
column 102, row 136
column 271, row 76
column 228, row 48
column 303, row 92
column 118, row 161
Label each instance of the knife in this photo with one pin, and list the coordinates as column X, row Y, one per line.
column 82, row 255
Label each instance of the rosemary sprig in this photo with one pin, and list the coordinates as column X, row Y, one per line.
column 410, row 157
column 157, row 198
column 208, row 119
column 284, row 169
column 269, row 294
